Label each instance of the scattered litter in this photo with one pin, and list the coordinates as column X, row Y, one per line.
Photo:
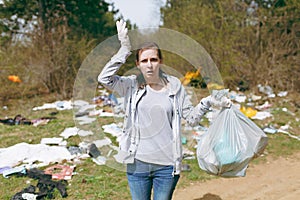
column 84, row 133
column 15, row 170
column 85, row 120
column 93, row 151
column 32, row 153
column 261, row 115
column 41, row 121
column 240, row 98
column 248, row 111
column 14, row 78
column 101, row 113
column 2, row 169
column 289, row 112
column 58, row 105
column 74, row 150
column 60, row 172
column 112, row 129
column 270, row 130
column 187, row 154
column 101, row 143
column 46, row 186
column 282, row 129
column 282, row 93
column 183, row 140
column 17, row 120
column 185, row 168
column 106, row 100
column 290, row 135
column 255, row 97
column 29, row 196
column 100, row 160
column 264, row 106
column 85, row 108
column 53, row 141
column 68, row 132
column 266, row 90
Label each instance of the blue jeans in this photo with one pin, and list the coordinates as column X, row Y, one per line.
column 142, row 177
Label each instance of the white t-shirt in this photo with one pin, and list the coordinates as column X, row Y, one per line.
column 155, row 124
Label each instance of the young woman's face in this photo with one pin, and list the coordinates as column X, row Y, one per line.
column 149, row 64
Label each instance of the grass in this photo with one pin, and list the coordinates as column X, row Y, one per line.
column 92, row 181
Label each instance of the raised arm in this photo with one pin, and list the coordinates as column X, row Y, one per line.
column 108, row 77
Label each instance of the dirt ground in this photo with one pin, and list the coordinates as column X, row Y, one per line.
column 274, row 180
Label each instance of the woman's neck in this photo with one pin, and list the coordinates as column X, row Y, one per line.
column 156, row 84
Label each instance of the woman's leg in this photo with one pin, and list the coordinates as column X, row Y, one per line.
column 139, row 180
column 164, row 183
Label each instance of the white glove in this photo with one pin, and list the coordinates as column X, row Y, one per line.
column 219, row 98
column 223, row 102
column 123, row 34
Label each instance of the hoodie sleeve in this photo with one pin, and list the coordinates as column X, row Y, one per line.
column 108, row 77
column 192, row 114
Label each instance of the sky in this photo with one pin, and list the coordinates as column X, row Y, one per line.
column 143, row 13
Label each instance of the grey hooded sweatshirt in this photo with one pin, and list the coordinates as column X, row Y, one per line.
column 127, row 87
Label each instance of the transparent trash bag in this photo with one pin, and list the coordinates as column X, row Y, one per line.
column 230, row 143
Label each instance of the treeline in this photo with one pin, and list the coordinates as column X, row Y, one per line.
column 44, row 42
column 251, row 42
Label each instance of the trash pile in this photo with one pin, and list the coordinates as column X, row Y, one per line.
column 60, row 159
column 55, row 156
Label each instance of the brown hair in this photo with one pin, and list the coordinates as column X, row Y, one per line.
column 149, row 45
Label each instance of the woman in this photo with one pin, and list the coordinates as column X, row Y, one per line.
column 155, row 103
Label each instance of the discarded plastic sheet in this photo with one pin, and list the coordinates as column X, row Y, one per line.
column 101, row 143
column 282, row 93
column 240, row 98
column 58, row 105
column 112, row 129
column 230, row 143
column 84, row 133
column 19, row 169
column 85, row 120
column 100, row 160
column 86, row 108
column 261, row 115
column 68, row 132
column 31, row 153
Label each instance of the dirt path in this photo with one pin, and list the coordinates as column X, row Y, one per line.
column 275, row 180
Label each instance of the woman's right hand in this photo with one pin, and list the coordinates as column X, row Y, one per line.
column 123, row 34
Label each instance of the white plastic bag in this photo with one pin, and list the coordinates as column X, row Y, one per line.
column 230, row 143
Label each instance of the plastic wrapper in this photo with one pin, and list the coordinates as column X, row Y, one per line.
column 230, row 143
